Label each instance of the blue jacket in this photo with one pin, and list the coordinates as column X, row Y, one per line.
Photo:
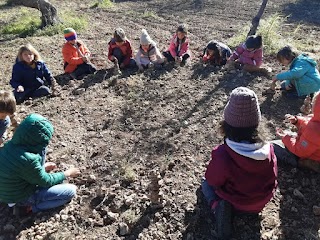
column 30, row 78
column 303, row 74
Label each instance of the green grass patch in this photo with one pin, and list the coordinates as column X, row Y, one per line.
column 274, row 35
column 29, row 24
column 102, row 4
column 149, row 14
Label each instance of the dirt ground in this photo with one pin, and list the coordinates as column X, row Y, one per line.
column 121, row 129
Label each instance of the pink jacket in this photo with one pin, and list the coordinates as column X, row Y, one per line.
column 254, row 57
column 174, row 47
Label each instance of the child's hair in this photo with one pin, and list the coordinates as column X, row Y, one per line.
column 214, row 46
column 7, row 102
column 254, row 42
column 238, row 134
column 182, row 28
column 119, row 35
column 287, row 52
column 314, row 99
column 31, row 49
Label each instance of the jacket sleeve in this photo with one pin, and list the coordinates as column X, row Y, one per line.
column 172, row 47
column 34, row 173
column 296, row 72
column 17, row 76
column 258, row 57
column 215, row 175
column 109, row 51
column 158, row 54
column 128, row 56
column 236, row 54
column 84, row 49
column 300, row 145
column 69, row 58
column 47, row 74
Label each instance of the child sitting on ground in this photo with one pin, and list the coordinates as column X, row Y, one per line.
column 301, row 149
column 179, row 47
column 30, row 76
column 216, row 53
column 76, row 56
column 120, row 51
column 7, row 110
column 24, row 176
column 302, row 79
column 242, row 175
column 249, row 56
column 148, row 55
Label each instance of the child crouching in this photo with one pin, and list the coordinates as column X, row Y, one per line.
column 148, row 55
column 242, row 173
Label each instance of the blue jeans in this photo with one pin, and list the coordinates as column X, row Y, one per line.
column 209, row 192
column 52, row 197
column 33, row 93
column 4, row 124
column 283, row 154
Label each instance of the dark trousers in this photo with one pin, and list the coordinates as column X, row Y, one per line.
column 31, row 93
column 84, row 68
column 117, row 53
column 170, row 58
column 284, row 156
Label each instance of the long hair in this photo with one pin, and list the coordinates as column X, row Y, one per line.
column 217, row 52
column 28, row 48
column 236, row 134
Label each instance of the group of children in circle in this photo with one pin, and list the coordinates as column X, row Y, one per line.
column 242, row 175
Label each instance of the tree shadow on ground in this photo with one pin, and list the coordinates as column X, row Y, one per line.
column 297, row 220
column 305, row 11
column 12, row 225
column 201, row 223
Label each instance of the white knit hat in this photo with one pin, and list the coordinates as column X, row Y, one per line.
column 145, row 38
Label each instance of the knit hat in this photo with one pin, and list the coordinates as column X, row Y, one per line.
column 243, row 109
column 70, row 34
column 119, row 35
column 145, row 38
column 254, row 42
column 34, row 132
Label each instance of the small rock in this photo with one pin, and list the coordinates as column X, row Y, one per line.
column 112, row 216
column 64, row 217
column 294, row 209
column 79, row 91
column 123, row 229
column 9, row 228
column 316, row 210
column 298, row 194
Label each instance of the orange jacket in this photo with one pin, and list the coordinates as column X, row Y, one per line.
column 307, row 143
column 71, row 57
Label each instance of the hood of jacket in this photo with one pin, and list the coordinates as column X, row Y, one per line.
column 305, row 57
column 34, row 133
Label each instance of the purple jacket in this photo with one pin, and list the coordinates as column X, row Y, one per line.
column 247, row 183
column 254, row 57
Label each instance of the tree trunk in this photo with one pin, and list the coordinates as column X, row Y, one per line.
column 48, row 11
column 256, row 20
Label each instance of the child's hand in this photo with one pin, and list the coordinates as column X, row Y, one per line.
column 280, row 132
column 49, row 166
column 178, row 59
column 274, row 79
column 112, row 58
column 20, row 89
column 85, row 59
column 289, row 87
column 72, row 172
column 292, row 119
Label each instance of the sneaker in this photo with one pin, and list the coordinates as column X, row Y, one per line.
column 223, row 216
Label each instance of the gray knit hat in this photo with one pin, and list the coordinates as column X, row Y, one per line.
column 145, row 38
column 243, row 109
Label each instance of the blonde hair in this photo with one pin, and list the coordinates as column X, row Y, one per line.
column 28, row 48
column 7, row 102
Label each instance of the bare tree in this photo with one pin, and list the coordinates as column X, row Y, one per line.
column 48, row 11
column 256, row 20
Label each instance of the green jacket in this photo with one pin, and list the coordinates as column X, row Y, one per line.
column 20, row 161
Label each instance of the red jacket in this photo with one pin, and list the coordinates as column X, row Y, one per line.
column 254, row 57
column 307, row 143
column 71, row 57
column 246, row 183
column 184, row 48
column 126, row 50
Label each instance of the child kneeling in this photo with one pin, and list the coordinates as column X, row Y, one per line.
column 24, row 176
column 242, row 175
